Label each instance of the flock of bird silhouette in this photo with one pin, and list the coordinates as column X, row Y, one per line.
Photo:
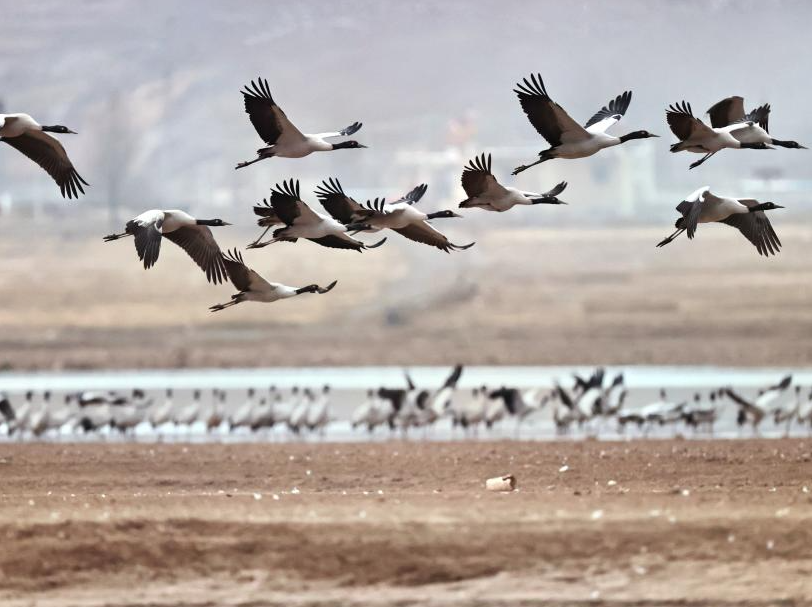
column 291, row 218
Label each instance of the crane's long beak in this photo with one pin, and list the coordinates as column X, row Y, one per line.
column 72, row 132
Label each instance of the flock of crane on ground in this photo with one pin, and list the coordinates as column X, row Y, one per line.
column 589, row 406
column 292, row 218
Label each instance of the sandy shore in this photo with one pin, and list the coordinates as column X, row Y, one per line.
column 663, row 522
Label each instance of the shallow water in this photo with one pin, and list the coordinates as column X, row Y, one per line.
column 349, row 384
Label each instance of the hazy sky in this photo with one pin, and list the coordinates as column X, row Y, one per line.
column 153, row 86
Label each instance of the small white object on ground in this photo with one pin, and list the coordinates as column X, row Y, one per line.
column 501, row 483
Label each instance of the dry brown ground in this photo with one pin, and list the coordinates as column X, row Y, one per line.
column 547, row 296
column 653, row 523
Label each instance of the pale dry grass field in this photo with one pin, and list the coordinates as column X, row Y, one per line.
column 526, row 296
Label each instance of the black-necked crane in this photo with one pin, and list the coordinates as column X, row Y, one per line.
column 786, row 412
column 303, row 222
column 297, row 420
column 23, row 413
column 94, row 418
column 283, row 407
column 697, row 137
column 241, row 416
column 756, row 409
column 485, row 192
column 346, row 209
column 402, row 217
column 190, row 234
column 662, row 411
column 744, row 214
column 767, row 396
column 366, row 414
column 162, row 413
column 60, row 415
column 86, row 398
column 520, row 404
column 495, row 409
column 216, row 414
column 30, row 138
column 401, row 403
column 413, row 412
column 567, row 138
column 190, row 413
column 318, row 414
column 471, row 412
column 440, row 401
column 7, row 411
column 252, row 287
column 283, row 138
column 262, row 416
column 701, row 415
column 753, row 127
column 127, row 418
